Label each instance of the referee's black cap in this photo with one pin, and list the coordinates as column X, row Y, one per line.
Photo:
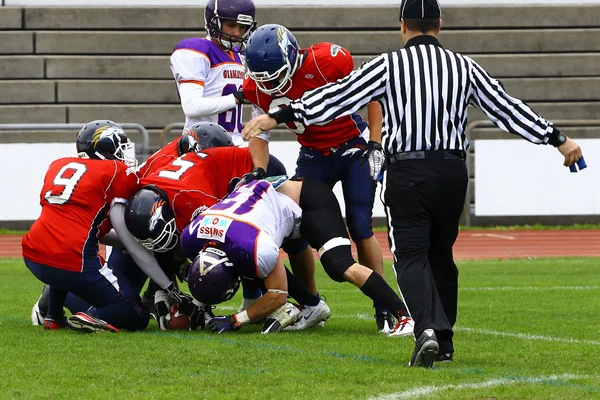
column 420, row 9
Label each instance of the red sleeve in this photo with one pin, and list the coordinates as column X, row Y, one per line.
column 123, row 185
column 249, row 88
column 333, row 60
column 162, row 157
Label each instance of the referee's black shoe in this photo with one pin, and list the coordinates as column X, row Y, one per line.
column 426, row 350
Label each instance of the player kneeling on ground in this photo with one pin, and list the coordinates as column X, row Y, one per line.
column 250, row 225
column 241, row 236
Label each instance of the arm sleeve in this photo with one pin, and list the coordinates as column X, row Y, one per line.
column 255, row 112
column 142, row 257
column 508, row 113
column 190, row 70
column 194, row 105
column 343, row 97
column 111, row 239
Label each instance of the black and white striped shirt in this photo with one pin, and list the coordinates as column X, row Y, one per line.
column 424, row 91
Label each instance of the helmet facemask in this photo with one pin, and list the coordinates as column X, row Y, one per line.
column 214, row 27
column 168, row 237
column 280, row 81
column 124, row 146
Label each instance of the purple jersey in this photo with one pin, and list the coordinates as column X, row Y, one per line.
column 249, row 226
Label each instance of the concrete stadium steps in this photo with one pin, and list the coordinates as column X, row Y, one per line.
column 11, row 18
column 16, row 42
column 368, row 42
column 159, row 115
column 379, row 17
column 165, row 91
column 22, row 67
column 157, row 67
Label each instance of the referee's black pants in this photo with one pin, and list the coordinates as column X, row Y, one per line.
column 424, row 199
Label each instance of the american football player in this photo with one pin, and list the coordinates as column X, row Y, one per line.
column 248, row 228
column 62, row 247
column 280, row 71
column 209, row 73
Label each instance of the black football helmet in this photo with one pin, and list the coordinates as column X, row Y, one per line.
column 150, row 219
column 202, row 136
column 104, row 140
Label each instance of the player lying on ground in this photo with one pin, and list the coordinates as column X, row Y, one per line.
column 250, row 225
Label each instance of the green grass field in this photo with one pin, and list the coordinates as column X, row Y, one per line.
column 527, row 329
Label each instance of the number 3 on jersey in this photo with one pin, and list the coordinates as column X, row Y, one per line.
column 64, row 183
column 182, row 166
column 231, row 120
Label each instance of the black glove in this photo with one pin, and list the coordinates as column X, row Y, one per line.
column 195, row 310
column 257, row 173
column 374, row 155
column 224, row 324
column 176, row 296
column 239, row 97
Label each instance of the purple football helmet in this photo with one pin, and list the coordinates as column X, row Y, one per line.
column 212, row 278
column 241, row 11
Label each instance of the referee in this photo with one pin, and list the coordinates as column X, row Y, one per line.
column 424, row 91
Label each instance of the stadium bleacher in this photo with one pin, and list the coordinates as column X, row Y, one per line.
column 60, row 65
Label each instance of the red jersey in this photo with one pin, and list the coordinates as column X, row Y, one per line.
column 166, row 155
column 322, row 63
column 76, row 198
column 197, row 179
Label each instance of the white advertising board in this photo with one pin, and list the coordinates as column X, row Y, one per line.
column 24, row 166
column 277, row 2
column 515, row 177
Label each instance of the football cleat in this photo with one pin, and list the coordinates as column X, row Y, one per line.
column 311, row 316
column 82, row 322
column 404, row 327
column 40, row 308
column 445, row 357
column 426, row 350
column 50, row 324
column 284, row 316
column 385, row 322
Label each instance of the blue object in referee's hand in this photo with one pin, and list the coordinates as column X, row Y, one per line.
column 580, row 163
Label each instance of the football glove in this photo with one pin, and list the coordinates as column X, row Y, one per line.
column 224, row 324
column 162, row 302
column 195, row 310
column 257, row 173
column 176, row 296
column 374, row 155
column 239, row 97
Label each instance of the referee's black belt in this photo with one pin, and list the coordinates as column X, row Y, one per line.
column 425, row 154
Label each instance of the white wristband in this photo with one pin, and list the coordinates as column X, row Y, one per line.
column 242, row 317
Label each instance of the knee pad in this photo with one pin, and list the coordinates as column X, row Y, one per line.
column 336, row 258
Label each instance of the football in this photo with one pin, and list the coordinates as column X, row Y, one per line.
column 178, row 321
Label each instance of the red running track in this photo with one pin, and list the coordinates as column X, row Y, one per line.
column 471, row 245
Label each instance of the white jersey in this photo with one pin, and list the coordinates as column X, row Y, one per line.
column 202, row 62
column 263, row 207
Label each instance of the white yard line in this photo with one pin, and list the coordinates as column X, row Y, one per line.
column 533, row 288
column 493, row 235
column 422, row 391
column 527, row 336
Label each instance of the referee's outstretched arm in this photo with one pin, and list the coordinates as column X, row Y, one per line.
column 508, row 113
